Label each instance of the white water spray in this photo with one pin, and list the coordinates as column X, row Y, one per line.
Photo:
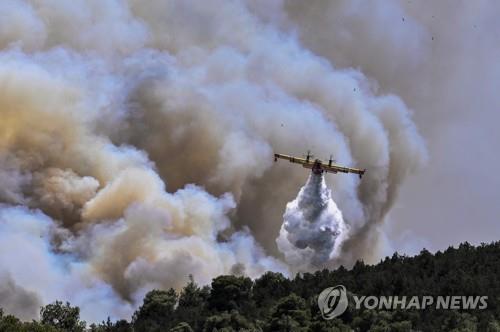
column 313, row 228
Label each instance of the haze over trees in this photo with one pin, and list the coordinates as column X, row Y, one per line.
column 275, row 303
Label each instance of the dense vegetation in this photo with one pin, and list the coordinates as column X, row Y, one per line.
column 275, row 303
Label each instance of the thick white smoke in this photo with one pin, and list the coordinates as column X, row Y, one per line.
column 136, row 144
column 313, row 228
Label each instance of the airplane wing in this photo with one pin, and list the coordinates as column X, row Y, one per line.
column 336, row 168
column 308, row 163
column 291, row 159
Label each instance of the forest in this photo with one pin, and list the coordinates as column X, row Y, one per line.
column 276, row 303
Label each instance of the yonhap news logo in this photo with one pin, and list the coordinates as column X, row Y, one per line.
column 333, row 302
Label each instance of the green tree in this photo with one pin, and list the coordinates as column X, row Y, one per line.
column 122, row 326
column 182, row 327
column 334, row 325
column 459, row 322
column 228, row 322
column 270, row 287
column 156, row 312
column 289, row 314
column 192, row 307
column 38, row 327
column 493, row 326
column 108, row 326
column 62, row 316
column 9, row 323
column 231, row 293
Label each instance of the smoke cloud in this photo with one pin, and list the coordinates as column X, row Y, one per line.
column 14, row 298
column 136, row 142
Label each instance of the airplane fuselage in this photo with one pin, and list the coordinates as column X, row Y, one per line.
column 316, row 168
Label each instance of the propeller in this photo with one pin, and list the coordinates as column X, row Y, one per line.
column 309, row 155
column 331, row 160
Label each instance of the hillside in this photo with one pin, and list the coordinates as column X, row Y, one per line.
column 275, row 303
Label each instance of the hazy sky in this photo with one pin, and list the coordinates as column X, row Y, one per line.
column 455, row 198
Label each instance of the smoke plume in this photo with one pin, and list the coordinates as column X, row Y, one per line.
column 136, row 145
column 313, row 228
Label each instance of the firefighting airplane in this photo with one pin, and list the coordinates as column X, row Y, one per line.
column 317, row 166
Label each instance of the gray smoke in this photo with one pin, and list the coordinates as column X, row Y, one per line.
column 313, row 228
column 136, row 145
column 14, row 298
